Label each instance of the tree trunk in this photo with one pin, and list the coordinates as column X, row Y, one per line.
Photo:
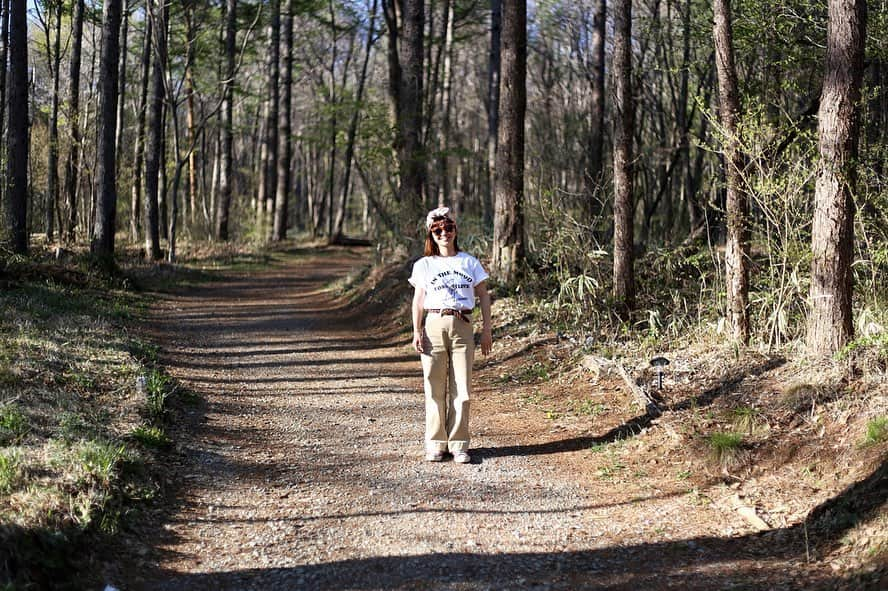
column 4, row 54
column 154, row 154
column 121, row 95
column 285, row 141
column 14, row 232
column 736, row 200
column 106, row 171
column 139, row 148
column 190, row 117
column 268, row 172
column 624, row 119
column 412, row 156
column 72, row 163
column 331, row 173
column 683, row 120
column 508, row 221
column 353, row 126
column 52, row 173
column 444, row 136
column 830, row 325
column 493, row 94
column 227, row 165
column 391, row 12
column 595, row 149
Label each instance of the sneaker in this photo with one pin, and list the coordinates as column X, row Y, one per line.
column 434, row 456
column 461, row 457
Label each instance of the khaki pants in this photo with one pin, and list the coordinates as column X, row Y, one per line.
column 449, row 348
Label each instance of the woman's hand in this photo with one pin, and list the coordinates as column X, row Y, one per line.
column 417, row 341
column 486, row 340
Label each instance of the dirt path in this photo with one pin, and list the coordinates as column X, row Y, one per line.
column 302, row 470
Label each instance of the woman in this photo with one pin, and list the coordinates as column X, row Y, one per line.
column 446, row 282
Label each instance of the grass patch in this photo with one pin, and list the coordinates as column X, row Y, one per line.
column 151, row 436
column 13, row 425
column 726, row 449
column 746, row 419
column 157, row 388
column 876, row 432
column 98, row 461
column 67, row 376
column 588, row 407
column 10, row 470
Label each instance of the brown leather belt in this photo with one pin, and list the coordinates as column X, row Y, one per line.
column 461, row 314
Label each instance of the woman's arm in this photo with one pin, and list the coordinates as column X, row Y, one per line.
column 486, row 331
column 417, row 310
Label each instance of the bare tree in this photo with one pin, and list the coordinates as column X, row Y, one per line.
column 595, row 148
column 624, row 121
column 412, row 156
column 493, row 93
column 285, row 140
column 121, row 77
column 106, row 172
column 830, row 323
column 269, row 148
column 353, row 126
column 139, row 145
column 72, row 162
column 736, row 201
column 154, row 156
column 14, row 232
column 52, row 26
column 508, row 221
column 223, row 205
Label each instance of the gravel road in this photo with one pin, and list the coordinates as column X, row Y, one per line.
column 303, row 470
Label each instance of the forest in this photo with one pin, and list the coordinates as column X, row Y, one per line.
column 573, row 138
column 638, row 176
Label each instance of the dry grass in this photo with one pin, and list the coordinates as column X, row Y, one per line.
column 68, row 407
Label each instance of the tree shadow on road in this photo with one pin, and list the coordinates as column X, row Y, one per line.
column 777, row 559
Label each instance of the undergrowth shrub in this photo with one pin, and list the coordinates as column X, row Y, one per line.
column 876, row 431
column 726, row 449
column 10, row 469
column 13, row 424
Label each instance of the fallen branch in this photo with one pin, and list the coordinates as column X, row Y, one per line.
column 644, row 399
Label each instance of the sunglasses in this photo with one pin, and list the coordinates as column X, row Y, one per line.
column 443, row 227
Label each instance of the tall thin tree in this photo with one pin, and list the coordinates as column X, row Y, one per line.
column 72, row 161
column 285, row 139
column 412, row 157
column 268, row 161
column 105, row 224
column 121, row 77
column 736, row 200
column 223, row 204
column 14, row 231
column 353, row 125
column 493, row 95
column 154, row 155
column 508, row 220
column 54, row 55
column 139, row 144
column 595, row 147
column 4, row 54
column 830, row 323
column 624, row 121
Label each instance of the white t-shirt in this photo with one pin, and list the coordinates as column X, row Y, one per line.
column 449, row 282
